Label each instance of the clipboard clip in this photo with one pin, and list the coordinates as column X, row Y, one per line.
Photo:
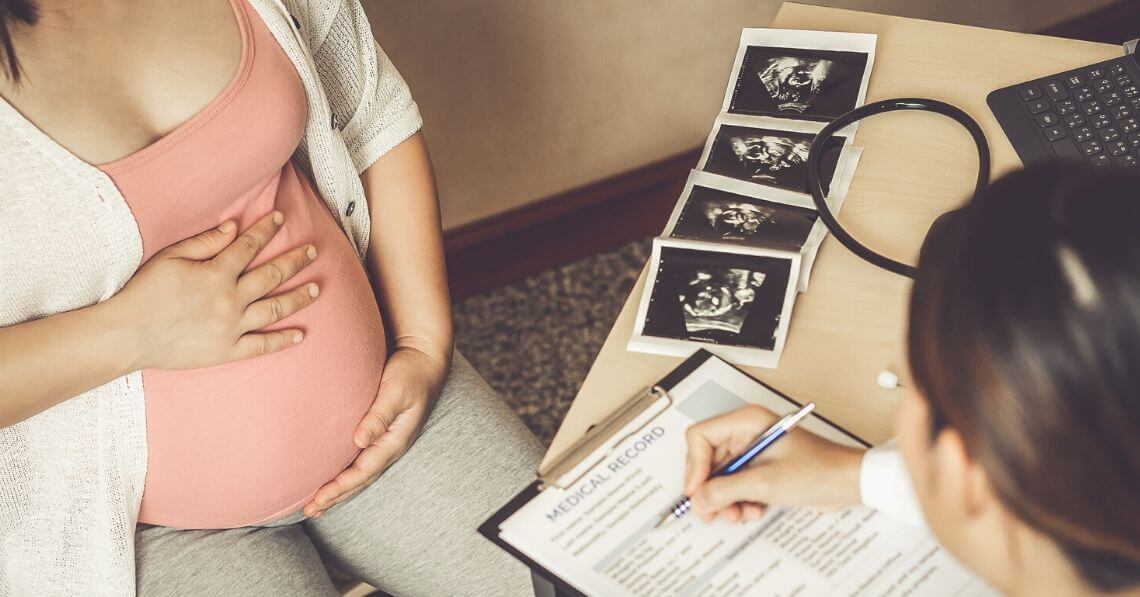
column 648, row 405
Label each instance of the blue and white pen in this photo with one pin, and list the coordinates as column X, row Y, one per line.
column 778, row 429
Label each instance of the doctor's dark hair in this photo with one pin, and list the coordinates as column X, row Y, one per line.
column 13, row 11
column 1024, row 337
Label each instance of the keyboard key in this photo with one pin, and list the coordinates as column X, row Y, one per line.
column 1102, row 85
column 1091, row 108
column 1030, row 92
column 1053, row 133
column 1134, row 139
column 1083, row 94
column 1066, row 107
column 1118, row 148
column 1135, row 103
column 1129, row 125
column 1127, row 161
column 1099, row 121
column 1130, row 92
column 1124, row 80
column 1091, row 147
column 1100, row 161
column 1094, row 73
column 1038, row 106
column 1083, row 134
column 1067, row 150
column 1108, row 134
column 1074, row 120
column 1112, row 98
column 1119, row 112
column 1116, row 69
column 1048, row 119
column 1074, row 81
column 1056, row 90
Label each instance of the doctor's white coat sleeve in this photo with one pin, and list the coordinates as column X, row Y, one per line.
column 884, row 485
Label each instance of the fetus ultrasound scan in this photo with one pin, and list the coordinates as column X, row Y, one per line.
column 798, row 83
column 769, row 157
column 721, row 298
column 722, row 216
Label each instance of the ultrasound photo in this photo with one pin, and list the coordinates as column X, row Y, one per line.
column 770, row 157
column 719, row 298
column 721, row 216
column 798, row 82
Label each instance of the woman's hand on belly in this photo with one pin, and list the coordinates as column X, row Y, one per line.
column 195, row 308
column 410, row 384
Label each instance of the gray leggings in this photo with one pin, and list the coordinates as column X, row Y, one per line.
column 412, row 532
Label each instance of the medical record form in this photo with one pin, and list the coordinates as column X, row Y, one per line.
column 594, row 530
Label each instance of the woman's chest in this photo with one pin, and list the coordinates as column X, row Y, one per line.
column 106, row 84
column 65, row 217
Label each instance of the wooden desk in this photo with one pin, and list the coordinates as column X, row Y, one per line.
column 850, row 323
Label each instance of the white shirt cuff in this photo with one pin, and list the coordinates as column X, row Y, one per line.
column 885, row 485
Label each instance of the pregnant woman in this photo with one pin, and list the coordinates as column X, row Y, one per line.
column 212, row 212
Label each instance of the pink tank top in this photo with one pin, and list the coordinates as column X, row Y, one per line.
column 251, row 440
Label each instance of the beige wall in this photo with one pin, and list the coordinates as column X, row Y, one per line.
column 523, row 99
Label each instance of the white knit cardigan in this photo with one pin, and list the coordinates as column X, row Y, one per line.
column 71, row 478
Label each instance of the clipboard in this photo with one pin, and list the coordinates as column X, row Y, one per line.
column 555, row 474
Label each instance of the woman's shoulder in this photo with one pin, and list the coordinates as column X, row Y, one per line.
column 315, row 17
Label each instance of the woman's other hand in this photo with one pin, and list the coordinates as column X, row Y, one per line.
column 196, row 308
column 412, row 380
column 801, row 469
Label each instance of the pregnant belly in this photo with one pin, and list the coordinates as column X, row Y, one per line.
column 252, row 440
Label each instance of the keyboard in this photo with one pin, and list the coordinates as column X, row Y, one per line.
column 1089, row 114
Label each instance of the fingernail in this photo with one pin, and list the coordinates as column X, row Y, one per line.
column 226, row 227
column 278, row 217
column 313, row 291
column 311, row 252
column 297, row 337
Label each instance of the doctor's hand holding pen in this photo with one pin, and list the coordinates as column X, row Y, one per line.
column 801, row 469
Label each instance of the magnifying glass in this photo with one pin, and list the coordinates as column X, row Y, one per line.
column 815, row 157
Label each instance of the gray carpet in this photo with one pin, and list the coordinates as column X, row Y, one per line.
column 534, row 340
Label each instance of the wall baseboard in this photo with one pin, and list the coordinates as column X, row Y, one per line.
column 567, row 227
column 496, row 251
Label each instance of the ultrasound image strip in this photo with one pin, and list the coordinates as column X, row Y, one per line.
column 717, row 282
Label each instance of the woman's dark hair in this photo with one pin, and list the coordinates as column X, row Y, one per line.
column 1024, row 337
column 23, row 11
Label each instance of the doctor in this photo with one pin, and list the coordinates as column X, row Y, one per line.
column 1019, row 426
